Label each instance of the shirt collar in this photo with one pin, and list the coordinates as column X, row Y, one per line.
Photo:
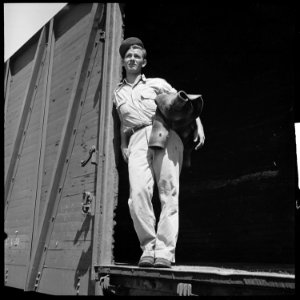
column 141, row 77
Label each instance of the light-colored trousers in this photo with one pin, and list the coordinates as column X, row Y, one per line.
column 146, row 166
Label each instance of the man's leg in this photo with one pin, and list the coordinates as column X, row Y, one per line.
column 141, row 191
column 167, row 166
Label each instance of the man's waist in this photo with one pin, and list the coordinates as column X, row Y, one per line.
column 130, row 131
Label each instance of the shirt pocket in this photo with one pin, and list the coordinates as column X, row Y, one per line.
column 148, row 94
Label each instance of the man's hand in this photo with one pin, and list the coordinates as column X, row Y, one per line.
column 124, row 145
column 199, row 134
column 124, row 151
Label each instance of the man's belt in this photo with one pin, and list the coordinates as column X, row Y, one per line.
column 131, row 131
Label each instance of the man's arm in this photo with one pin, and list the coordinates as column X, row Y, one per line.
column 124, row 145
column 124, row 138
column 199, row 134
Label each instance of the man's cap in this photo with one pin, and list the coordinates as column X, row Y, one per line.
column 127, row 43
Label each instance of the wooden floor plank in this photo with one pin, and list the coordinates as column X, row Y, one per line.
column 196, row 269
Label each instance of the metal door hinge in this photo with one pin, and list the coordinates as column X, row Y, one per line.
column 88, row 204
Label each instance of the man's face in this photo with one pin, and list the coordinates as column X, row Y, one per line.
column 133, row 61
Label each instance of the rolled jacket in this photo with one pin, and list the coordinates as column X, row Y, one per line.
column 177, row 111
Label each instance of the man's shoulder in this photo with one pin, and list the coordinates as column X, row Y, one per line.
column 160, row 85
column 119, row 86
column 156, row 81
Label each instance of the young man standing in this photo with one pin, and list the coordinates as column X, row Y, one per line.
column 134, row 99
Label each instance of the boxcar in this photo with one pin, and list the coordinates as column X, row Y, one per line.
column 66, row 217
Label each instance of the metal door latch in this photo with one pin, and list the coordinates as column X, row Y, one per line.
column 88, row 204
column 92, row 155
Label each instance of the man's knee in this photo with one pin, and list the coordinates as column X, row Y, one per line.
column 168, row 187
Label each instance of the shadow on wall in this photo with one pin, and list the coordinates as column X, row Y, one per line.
column 85, row 260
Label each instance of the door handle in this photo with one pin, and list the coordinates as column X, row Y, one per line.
column 92, row 154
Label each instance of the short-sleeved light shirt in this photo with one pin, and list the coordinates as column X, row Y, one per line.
column 135, row 102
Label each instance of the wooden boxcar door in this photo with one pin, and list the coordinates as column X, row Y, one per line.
column 50, row 180
column 23, row 117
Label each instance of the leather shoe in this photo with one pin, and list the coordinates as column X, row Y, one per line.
column 146, row 262
column 162, row 263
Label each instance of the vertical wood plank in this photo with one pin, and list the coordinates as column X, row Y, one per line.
column 51, row 204
column 6, row 97
column 43, row 135
column 7, row 79
column 7, row 89
column 106, row 171
column 24, row 112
